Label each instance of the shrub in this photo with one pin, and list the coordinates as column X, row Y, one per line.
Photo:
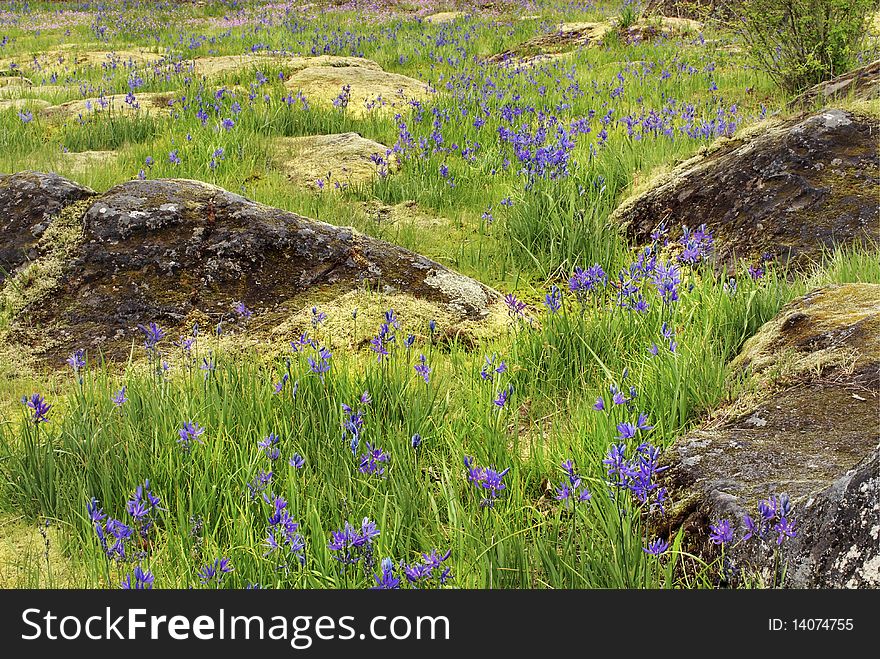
column 800, row 43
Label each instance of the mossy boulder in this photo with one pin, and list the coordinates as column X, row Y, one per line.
column 179, row 251
column 793, row 191
column 369, row 89
column 444, row 17
column 568, row 37
column 328, row 161
column 68, row 60
column 29, row 202
column 219, row 65
column 808, row 428
column 113, row 104
column 861, row 84
column 564, row 38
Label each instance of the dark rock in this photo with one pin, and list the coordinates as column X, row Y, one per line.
column 29, row 201
column 792, row 191
column 860, row 84
column 171, row 250
column 565, row 37
column 810, row 431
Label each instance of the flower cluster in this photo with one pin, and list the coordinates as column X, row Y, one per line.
column 572, row 490
column 283, row 539
column 486, row 479
column 637, row 475
column 350, row 545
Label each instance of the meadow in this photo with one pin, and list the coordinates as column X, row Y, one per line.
column 526, row 460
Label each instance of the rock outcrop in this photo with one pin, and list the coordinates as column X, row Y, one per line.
column 29, row 201
column 861, row 84
column 808, row 429
column 444, row 17
column 360, row 89
column 330, row 161
column 568, row 37
column 179, row 251
column 113, row 104
column 565, row 38
column 69, row 60
column 793, row 190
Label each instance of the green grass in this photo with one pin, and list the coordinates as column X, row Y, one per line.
column 557, row 364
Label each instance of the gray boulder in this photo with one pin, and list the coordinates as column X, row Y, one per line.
column 807, row 427
column 792, row 190
column 178, row 251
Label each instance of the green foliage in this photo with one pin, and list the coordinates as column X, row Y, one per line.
column 630, row 12
column 800, row 43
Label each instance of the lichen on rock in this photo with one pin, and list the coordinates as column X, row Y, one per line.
column 173, row 250
column 793, row 191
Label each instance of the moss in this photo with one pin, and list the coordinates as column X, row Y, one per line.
column 40, row 277
column 832, row 332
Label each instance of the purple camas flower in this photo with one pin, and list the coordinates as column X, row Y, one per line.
column 322, row 364
column 642, row 423
column 515, row 307
column 77, row 360
column 342, row 100
column 386, row 580
column 490, row 369
column 785, row 529
column 173, row 158
column 553, row 300
column 637, row 475
column 775, row 514
column 486, row 478
column 214, row 573
column 143, row 580
column 297, row 461
column 697, row 245
column 39, row 408
column 720, row 532
column 279, row 386
column 423, row 369
column 599, row 405
column 283, row 538
column 119, row 398
column 377, row 345
column 241, row 310
column 626, row 431
column 26, row 116
column 227, row 124
column 269, row 446
column 571, row 489
column 667, row 278
column 318, row 317
column 584, row 282
column 259, row 483
column 152, row 335
column 501, row 400
column 416, row 441
column 657, row 547
column 371, row 462
column 424, row 572
column 191, row 432
column 351, row 546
